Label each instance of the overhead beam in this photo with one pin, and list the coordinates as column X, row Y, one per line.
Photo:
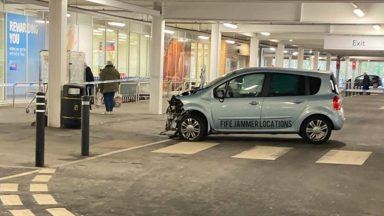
column 127, row 6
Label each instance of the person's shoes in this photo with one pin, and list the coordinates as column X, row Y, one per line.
column 105, row 113
column 110, row 113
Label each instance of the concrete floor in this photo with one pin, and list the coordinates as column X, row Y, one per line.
column 133, row 180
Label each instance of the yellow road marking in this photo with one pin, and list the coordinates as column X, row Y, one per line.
column 47, row 171
column 345, row 157
column 263, row 153
column 60, row 212
column 186, row 148
column 38, row 188
column 42, row 178
column 23, row 212
column 8, row 187
column 44, row 199
column 10, row 200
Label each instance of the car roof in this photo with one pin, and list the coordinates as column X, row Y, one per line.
column 281, row 70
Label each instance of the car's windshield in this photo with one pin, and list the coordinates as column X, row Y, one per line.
column 217, row 80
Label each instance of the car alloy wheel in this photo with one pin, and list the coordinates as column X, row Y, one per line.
column 317, row 130
column 190, row 128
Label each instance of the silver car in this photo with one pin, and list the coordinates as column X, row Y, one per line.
column 260, row 100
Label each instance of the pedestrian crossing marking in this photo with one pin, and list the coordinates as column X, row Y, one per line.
column 187, row 148
column 382, row 108
column 345, row 157
column 44, row 199
column 263, row 153
column 8, row 187
column 23, row 212
column 11, row 200
column 59, row 212
column 42, row 178
column 38, row 188
column 47, row 171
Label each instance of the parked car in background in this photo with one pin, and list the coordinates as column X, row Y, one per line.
column 375, row 81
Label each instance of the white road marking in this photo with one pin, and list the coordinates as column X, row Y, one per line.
column 38, row 188
column 186, row 148
column 111, row 153
column 382, row 108
column 23, row 212
column 19, row 175
column 47, row 171
column 10, row 200
column 42, row 178
column 263, row 153
column 44, row 199
column 345, row 157
column 8, row 187
column 59, row 212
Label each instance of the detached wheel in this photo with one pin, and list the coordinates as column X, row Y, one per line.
column 192, row 128
column 316, row 130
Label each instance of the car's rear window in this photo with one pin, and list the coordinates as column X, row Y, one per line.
column 334, row 85
column 314, row 85
column 286, row 85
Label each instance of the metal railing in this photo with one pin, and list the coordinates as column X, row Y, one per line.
column 351, row 90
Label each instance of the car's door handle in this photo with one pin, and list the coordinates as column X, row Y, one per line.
column 253, row 103
column 298, row 102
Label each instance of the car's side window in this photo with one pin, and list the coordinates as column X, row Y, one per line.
column 286, row 85
column 250, row 85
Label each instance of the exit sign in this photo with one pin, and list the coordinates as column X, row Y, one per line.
column 374, row 43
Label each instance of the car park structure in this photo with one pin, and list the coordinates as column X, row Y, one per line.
column 253, row 74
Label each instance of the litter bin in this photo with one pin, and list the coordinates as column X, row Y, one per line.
column 71, row 105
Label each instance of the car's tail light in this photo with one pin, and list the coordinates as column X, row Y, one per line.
column 337, row 104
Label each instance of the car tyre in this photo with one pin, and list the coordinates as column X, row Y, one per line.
column 316, row 130
column 192, row 128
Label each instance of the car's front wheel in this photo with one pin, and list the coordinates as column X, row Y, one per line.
column 316, row 130
column 192, row 128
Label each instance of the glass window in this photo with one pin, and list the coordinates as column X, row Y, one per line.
column 98, row 49
column 314, row 85
column 123, row 53
column 144, row 45
column 111, row 46
column 286, row 85
column 133, row 55
column 245, row 86
column 2, row 59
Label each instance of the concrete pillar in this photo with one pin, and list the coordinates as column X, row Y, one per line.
column 279, row 55
column 57, row 58
column 347, row 68
column 215, row 51
column 329, row 60
column 300, row 58
column 315, row 65
column 156, row 65
column 254, row 52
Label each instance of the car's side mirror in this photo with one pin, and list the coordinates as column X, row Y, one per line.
column 220, row 94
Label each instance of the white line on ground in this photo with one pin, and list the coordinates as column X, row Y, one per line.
column 38, row 188
column 382, row 108
column 111, row 153
column 17, row 167
column 19, row 175
column 8, row 187
column 23, row 212
column 42, row 178
column 44, row 199
column 10, row 200
column 47, row 171
column 345, row 157
column 59, row 212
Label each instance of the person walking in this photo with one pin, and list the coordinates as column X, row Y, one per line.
column 89, row 87
column 108, row 89
column 366, row 83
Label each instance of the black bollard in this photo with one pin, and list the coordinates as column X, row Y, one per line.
column 40, row 129
column 85, row 106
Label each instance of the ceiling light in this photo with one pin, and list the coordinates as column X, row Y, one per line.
column 116, row 24
column 265, row 33
column 169, row 31
column 68, row 15
column 295, row 53
column 40, row 21
column 203, row 37
column 230, row 25
column 294, row 45
column 183, row 40
column 376, row 27
column 147, row 36
column 310, row 51
column 272, row 48
column 290, row 40
column 358, row 12
column 230, row 41
column 274, row 40
column 285, row 51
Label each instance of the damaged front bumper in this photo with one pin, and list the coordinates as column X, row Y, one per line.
column 174, row 112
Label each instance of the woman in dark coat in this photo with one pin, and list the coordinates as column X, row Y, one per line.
column 366, row 82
